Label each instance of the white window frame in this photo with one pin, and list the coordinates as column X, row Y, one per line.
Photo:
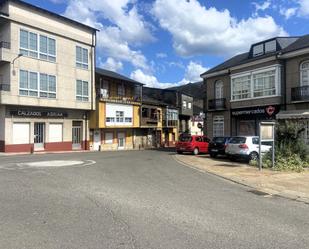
column 82, row 97
column 218, row 86
column 255, row 54
column 275, row 67
column 189, row 105
column 47, row 54
column 38, row 90
column 217, row 120
column 81, row 64
column 28, row 50
column 184, row 104
column 302, row 71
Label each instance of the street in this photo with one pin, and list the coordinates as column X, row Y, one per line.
column 137, row 199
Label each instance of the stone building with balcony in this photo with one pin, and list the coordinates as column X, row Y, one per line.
column 116, row 122
column 46, row 79
column 268, row 82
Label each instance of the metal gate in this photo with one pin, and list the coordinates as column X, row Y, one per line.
column 76, row 137
column 39, row 135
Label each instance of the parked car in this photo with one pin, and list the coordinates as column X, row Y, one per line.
column 217, row 146
column 245, row 147
column 194, row 144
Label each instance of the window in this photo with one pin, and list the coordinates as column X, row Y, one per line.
column 47, row 48
column 256, row 84
column 55, row 133
column 104, row 89
column 110, row 120
column 81, row 57
column 29, row 46
column 28, row 43
column 258, row 50
column 270, row 46
column 218, row 126
column 304, row 73
column 255, row 140
column 189, row 105
column 82, row 90
column 121, row 90
column 241, row 87
column 47, row 86
column 264, row 84
column 218, row 89
column 184, row 104
column 198, row 139
column 109, row 136
column 37, row 85
column 128, row 120
column 119, row 116
column 144, row 112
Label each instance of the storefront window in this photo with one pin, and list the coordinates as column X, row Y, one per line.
column 246, row 127
column 218, row 126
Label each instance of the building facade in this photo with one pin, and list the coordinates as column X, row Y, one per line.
column 266, row 83
column 115, row 123
column 47, row 65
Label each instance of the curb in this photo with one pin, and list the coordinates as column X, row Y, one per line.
column 252, row 186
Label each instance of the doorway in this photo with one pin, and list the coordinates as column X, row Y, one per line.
column 39, row 136
column 96, row 140
column 77, row 135
column 121, row 140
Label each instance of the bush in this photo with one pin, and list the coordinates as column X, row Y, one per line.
column 291, row 154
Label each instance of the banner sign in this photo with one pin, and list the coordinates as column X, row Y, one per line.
column 268, row 111
column 39, row 114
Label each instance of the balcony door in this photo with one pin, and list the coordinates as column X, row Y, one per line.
column 218, row 89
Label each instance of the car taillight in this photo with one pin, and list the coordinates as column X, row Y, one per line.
column 243, row 146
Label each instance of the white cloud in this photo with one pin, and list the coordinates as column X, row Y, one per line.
column 127, row 28
column 192, row 74
column 262, row 6
column 288, row 13
column 209, row 30
column 111, row 64
column 304, row 8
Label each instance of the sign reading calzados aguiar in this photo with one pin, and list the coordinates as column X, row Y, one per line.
column 31, row 113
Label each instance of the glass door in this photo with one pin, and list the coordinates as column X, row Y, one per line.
column 39, row 136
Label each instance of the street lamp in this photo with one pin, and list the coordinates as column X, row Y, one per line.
column 18, row 56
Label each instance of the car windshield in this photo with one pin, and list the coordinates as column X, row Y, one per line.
column 237, row 140
column 185, row 138
column 219, row 140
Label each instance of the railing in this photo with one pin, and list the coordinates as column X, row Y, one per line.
column 215, row 104
column 5, row 87
column 120, row 99
column 4, row 44
column 170, row 123
column 300, row 93
column 149, row 121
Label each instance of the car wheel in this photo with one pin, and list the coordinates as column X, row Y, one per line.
column 254, row 156
column 196, row 151
column 179, row 152
column 213, row 155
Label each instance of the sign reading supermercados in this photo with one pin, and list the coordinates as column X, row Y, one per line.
column 48, row 114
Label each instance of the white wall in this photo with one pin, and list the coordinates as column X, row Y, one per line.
column 111, row 112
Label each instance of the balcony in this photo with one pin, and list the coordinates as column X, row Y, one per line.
column 170, row 123
column 5, row 87
column 120, row 99
column 217, row 104
column 149, row 121
column 5, row 54
column 300, row 93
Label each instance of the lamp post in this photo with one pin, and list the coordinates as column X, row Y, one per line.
column 18, row 56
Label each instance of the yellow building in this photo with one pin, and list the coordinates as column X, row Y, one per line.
column 115, row 123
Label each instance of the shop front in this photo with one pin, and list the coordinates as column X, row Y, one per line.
column 30, row 129
column 245, row 121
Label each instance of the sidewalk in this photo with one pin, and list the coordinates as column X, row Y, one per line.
column 286, row 184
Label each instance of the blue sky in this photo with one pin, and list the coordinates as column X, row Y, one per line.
column 170, row 42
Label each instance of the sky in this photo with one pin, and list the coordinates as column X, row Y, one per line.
column 164, row 43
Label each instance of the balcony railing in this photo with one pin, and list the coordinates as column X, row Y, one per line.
column 215, row 104
column 170, row 123
column 5, row 87
column 300, row 93
column 120, row 99
column 4, row 44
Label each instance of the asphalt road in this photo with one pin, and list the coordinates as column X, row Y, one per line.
column 140, row 199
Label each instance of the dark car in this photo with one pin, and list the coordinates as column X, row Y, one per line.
column 194, row 144
column 217, row 146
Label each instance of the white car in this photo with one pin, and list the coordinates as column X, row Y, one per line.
column 246, row 147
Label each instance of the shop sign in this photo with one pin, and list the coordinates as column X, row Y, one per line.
column 39, row 114
column 268, row 111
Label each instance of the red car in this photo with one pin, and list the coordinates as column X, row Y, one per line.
column 194, row 144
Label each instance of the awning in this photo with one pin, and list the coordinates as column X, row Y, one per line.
column 295, row 114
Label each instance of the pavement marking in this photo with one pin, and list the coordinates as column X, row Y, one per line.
column 55, row 163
